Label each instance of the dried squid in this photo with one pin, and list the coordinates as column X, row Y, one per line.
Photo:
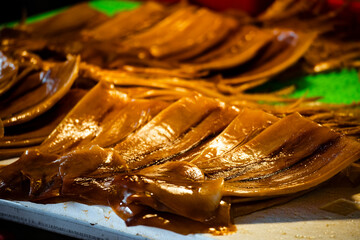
column 182, row 152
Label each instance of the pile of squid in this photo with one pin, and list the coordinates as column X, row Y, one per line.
column 149, row 112
column 179, row 164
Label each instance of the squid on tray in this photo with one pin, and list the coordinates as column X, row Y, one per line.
column 31, row 108
column 176, row 142
column 180, row 165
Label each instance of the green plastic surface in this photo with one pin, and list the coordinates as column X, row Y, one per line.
column 335, row 87
column 112, row 7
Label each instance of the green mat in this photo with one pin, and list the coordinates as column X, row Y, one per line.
column 342, row 86
column 335, row 87
column 112, row 7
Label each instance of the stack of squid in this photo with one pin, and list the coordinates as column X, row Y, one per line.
column 149, row 111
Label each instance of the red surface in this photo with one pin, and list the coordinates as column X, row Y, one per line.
column 257, row 6
column 354, row 7
column 251, row 6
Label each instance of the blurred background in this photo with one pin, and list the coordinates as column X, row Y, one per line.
column 15, row 10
